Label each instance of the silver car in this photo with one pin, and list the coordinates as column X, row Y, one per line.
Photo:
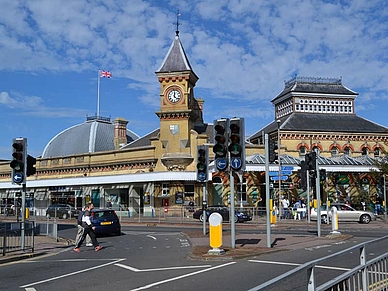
column 345, row 213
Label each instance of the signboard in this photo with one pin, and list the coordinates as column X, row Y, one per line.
column 287, row 168
column 276, row 178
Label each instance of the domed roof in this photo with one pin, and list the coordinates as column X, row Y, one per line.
column 94, row 135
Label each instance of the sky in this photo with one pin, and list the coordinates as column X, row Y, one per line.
column 242, row 51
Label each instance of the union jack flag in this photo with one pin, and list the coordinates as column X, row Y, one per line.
column 105, row 74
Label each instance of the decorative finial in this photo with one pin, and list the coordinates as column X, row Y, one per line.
column 177, row 23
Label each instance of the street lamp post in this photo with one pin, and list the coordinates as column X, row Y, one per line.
column 279, row 171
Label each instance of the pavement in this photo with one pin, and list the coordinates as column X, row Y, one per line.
column 246, row 245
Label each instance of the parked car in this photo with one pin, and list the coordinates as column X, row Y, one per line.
column 239, row 216
column 345, row 213
column 61, row 211
column 106, row 222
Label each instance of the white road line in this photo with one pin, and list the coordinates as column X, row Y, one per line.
column 180, row 277
column 71, row 274
column 161, row 269
column 294, row 264
column 151, row 236
column 30, row 289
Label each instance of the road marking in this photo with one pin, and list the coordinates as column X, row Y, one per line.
column 181, row 277
column 295, row 264
column 151, row 236
column 160, row 269
column 30, row 289
column 71, row 274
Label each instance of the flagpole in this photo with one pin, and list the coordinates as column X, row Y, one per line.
column 98, row 93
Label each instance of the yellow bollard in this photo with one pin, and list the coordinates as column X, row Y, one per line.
column 27, row 213
column 272, row 212
column 215, row 229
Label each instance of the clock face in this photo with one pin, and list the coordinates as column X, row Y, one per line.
column 174, row 96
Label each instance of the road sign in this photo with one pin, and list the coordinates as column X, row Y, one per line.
column 289, row 173
column 235, row 163
column 201, row 176
column 287, row 168
column 276, row 178
column 274, row 173
column 221, row 164
column 18, row 178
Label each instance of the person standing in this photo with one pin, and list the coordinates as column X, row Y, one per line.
column 88, row 229
column 80, row 229
column 378, row 205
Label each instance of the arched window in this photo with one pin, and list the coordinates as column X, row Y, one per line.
column 302, row 151
column 364, row 151
column 347, row 151
column 377, row 152
column 316, row 149
column 334, row 151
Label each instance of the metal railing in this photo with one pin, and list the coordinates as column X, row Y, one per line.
column 367, row 275
column 11, row 240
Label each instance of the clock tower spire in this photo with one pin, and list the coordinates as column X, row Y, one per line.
column 179, row 110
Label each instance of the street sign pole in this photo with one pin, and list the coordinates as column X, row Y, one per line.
column 267, row 198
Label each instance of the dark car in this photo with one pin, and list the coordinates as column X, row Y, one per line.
column 106, row 222
column 239, row 216
column 61, row 211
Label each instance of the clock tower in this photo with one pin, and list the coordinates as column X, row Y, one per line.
column 179, row 111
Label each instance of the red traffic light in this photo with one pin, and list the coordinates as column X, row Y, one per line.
column 234, row 128
column 219, row 129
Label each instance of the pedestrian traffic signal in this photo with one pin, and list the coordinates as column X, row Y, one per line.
column 272, row 151
column 19, row 160
column 237, row 144
column 220, row 144
column 202, row 163
column 31, row 162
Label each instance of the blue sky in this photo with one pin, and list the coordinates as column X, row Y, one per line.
column 242, row 51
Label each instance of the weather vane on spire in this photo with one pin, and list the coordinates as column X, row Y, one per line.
column 177, row 23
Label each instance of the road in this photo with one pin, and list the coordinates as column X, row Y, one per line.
column 155, row 258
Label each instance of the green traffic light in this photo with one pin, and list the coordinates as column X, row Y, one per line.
column 16, row 165
column 219, row 150
column 235, row 149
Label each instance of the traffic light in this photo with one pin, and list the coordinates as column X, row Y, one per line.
column 19, row 160
column 202, row 163
column 220, row 144
column 273, row 154
column 322, row 175
column 381, row 183
column 31, row 162
column 311, row 161
column 237, row 144
column 303, row 175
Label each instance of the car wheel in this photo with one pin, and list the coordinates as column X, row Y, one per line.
column 235, row 218
column 365, row 218
column 324, row 218
column 201, row 218
column 48, row 216
column 118, row 233
column 64, row 216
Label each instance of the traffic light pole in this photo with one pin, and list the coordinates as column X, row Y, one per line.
column 318, row 191
column 308, row 196
column 385, row 199
column 232, row 212
column 23, row 210
column 204, row 199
